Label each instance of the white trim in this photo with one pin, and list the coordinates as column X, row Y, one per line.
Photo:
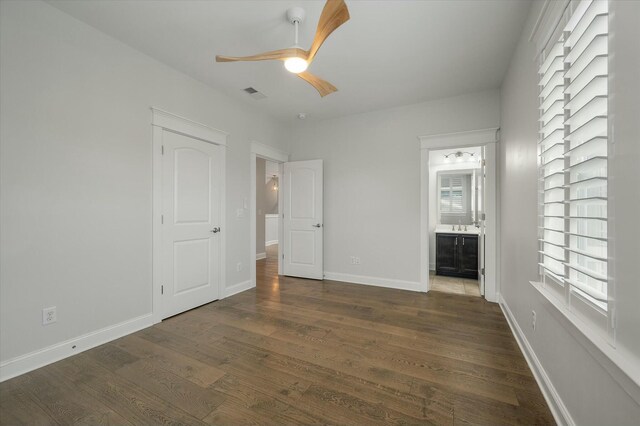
column 28, row 362
column 483, row 137
column 270, row 243
column 374, row 281
column 238, row 288
column 424, row 220
column 547, row 22
column 556, row 405
column 166, row 121
column 185, row 126
column 259, row 150
column 621, row 366
column 260, row 256
column 156, row 225
column 269, row 153
column 536, row 26
column 459, row 139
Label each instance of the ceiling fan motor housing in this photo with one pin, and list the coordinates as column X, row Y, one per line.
column 295, row 14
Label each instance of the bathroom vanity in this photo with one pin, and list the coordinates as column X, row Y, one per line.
column 457, row 253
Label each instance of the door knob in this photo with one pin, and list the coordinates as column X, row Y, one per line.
column 215, row 230
column 317, row 225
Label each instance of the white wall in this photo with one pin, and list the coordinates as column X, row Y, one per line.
column 372, row 180
column 272, row 171
column 271, row 229
column 433, row 201
column 586, row 386
column 260, row 204
column 76, row 174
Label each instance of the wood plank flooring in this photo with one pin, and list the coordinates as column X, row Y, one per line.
column 295, row 351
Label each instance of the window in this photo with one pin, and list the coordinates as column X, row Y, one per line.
column 573, row 147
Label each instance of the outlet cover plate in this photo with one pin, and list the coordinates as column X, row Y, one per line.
column 49, row 315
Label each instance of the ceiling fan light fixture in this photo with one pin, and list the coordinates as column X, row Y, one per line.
column 296, row 65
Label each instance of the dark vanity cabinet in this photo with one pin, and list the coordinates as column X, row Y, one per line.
column 457, row 255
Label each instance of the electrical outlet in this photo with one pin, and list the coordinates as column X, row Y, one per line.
column 533, row 320
column 239, row 267
column 239, row 212
column 49, row 315
column 355, row 260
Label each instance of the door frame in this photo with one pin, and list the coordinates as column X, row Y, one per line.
column 162, row 121
column 487, row 138
column 259, row 150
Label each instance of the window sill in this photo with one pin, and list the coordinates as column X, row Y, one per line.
column 621, row 366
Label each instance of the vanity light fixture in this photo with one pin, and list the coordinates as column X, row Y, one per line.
column 459, row 154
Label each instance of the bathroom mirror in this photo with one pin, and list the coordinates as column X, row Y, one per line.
column 456, row 198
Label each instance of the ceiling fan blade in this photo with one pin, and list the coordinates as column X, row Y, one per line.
column 281, row 54
column 334, row 14
column 323, row 87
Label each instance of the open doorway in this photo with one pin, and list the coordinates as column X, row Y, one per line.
column 455, row 208
column 465, row 254
column 267, row 216
column 262, row 245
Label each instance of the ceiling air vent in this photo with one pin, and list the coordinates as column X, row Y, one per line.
column 254, row 93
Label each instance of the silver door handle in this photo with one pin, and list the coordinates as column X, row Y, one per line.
column 317, row 225
column 215, row 230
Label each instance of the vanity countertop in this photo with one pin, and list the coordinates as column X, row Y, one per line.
column 447, row 229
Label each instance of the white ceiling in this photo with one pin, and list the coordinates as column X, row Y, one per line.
column 390, row 53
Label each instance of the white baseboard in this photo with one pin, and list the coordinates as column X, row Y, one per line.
column 261, row 256
column 271, row 243
column 555, row 403
column 28, row 362
column 238, row 288
column 375, row 281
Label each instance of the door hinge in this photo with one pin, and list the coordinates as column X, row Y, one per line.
column 483, row 216
column 162, row 149
column 482, row 271
column 162, row 219
column 283, row 255
column 161, row 289
column 484, row 162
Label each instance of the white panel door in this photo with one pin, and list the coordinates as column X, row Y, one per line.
column 302, row 222
column 480, row 191
column 191, row 223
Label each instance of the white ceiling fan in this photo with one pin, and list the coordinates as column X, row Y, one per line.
column 296, row 59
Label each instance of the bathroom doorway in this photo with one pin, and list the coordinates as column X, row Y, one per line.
column 458, row 190
column 455, row 227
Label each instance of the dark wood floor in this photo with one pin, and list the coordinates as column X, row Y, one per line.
column 296, row 352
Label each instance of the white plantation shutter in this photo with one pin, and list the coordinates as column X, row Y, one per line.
column 452, row 194
column 573, row 150
column 456, row 194
column 552, row 163
column 586, row 62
